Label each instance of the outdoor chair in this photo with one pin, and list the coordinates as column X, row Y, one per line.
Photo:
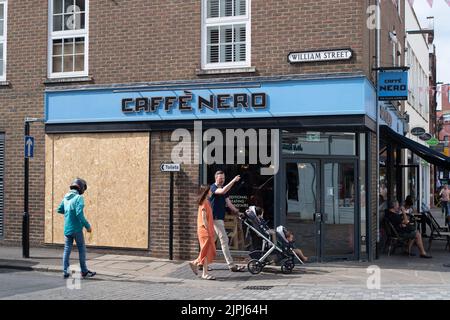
column 393, row 239
column 437, row 232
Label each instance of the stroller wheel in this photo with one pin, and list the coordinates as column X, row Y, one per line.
column 254, row 266
column 287, row 266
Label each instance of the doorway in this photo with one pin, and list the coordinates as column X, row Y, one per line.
column 321, row 200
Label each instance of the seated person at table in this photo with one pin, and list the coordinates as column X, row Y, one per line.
column 408, row 206
column 399, row 219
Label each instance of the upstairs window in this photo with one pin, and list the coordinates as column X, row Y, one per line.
column 3, row 16
column 68, row 39
column 226, row 34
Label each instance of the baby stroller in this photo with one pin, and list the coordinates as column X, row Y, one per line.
column 280, row 253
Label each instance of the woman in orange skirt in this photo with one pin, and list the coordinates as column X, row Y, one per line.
column 206, row 235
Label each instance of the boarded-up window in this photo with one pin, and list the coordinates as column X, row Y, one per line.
column 116, row 168
column 2, row 173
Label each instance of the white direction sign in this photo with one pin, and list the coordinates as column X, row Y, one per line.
column 317, row 56
column 170, row 167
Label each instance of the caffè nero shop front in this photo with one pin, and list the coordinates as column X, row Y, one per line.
column 318, row 132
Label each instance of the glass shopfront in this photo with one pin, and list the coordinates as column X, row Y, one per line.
column 316, row 194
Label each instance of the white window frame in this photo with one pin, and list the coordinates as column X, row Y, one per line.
column 221, row 21
column 52, row 35
column 4, row 38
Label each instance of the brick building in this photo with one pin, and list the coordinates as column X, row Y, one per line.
column 113, row 79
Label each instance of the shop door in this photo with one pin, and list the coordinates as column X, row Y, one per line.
column 320, row 207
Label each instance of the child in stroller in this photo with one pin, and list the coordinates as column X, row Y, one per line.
column 276, row 248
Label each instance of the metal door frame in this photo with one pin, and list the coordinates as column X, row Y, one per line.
column 280, row 185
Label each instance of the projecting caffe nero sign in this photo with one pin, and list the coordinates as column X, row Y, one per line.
column 318, row 56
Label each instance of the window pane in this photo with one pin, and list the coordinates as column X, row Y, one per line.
column 57, row 6
column 226, row 8
column 213, row 54
column 68, row 6
column 57, row 23
column 57, row 47
column 240, row 7
column 69, row 22
column 68, row 63
column 57, row 64
column 82, row 21
column 213, row 8
column 318, row 143
column 1, row 27
column 239, row 52
column 68, row 46
column 226, row 53
column 226, row 34
column 239, row 33
column 1, row 67
column 79, row 45
column 79, row 63
column 80, row 5
column 213, row 35
column 2, row 11
column 1, row 50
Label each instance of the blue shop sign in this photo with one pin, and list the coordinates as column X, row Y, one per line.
column 192, row 100
column 393, row 85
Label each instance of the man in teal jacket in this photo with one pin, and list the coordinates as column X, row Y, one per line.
column 72, row 207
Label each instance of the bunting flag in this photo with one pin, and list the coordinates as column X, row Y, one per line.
column 411, row 2
column 448, row 2
column 430, row 2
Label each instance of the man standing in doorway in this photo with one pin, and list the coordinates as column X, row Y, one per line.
column 219, row 202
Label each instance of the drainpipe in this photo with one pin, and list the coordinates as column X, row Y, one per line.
column 377, row 165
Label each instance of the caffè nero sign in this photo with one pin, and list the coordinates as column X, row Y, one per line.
column 189, row 101
column 318, row 56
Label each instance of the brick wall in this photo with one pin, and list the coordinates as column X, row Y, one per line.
column 186, row 184
column 138, row 40
column 26, row 71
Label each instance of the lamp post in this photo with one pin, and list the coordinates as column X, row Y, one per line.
column 26, row 214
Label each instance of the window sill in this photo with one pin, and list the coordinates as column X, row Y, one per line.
column 5, row 84
column 203, row 72
column 68, row 80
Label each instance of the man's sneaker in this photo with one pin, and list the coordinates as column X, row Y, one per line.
column 88, row 274
column 66, row 275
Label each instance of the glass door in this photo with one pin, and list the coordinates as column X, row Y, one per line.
column 339, row 209
column 302, row 182
column 320, row 206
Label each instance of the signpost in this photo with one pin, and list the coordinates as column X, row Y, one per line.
column 170, row 167
column 29, row 153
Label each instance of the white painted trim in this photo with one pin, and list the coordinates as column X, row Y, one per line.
column 4, row 39
column 64, row 35
column 244, row 19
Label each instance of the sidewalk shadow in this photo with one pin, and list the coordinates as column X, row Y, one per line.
column 11, row 266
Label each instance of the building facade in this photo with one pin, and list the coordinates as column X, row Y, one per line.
column 416, row 172
column 113, row 89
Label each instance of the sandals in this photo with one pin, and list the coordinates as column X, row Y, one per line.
column 237, row 268
column 208, row 277
column 194, row 268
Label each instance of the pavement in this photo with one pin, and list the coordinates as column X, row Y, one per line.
column 395, row 277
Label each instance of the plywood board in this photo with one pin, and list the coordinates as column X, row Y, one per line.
column 115, row 167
